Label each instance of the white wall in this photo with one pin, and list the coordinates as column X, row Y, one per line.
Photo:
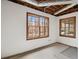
column 66, row 40
column 14, row 29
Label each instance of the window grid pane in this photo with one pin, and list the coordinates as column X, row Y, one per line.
column 67, row 27
column 37, row 26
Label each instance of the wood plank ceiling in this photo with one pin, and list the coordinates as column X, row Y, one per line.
column 51, row 9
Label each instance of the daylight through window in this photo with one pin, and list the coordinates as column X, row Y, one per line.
column 37, row 26
column 68, row 27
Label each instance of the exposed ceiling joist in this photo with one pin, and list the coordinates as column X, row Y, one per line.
column 70, row 10
column 64, row 9
column 55, row 3
column 33, row 2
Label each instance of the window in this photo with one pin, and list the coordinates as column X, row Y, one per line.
column 68, row 27
column 37, row 26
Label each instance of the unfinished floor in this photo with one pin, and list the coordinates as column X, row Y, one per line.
column 54, row 51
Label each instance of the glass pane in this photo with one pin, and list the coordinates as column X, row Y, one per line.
column 46, row 31
column 66, row 31
column 71, row 29
column 66, row 21
column 41, row 31
column 30, row 29
column 37, row 21
column 67, row 25
column 63, row 29
column 41, row 34
column 46, row 28
column 62, row 33
column 41, row 28
column 71, row 32
column 30, row 33
column 62, row 24
column 33, row 20
column 29, row 18
column 46, row 21
column 35, row 32
column 29, row 21
column 42, row 21
column 71, row 21
column 72, row 25
column 30, row 36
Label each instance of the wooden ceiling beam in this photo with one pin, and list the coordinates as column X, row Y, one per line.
column 70, row 10
column 55, row 3
column 41, row 1
column 64, row 9
column 48, row 3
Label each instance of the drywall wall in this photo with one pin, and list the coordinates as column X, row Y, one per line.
column 67, row 40
column 13, row 28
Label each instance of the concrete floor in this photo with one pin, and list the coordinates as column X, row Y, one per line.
column 56, row 51
column 71, row 52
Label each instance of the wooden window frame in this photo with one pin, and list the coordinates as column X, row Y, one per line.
column 69, row 23
column 39, row 27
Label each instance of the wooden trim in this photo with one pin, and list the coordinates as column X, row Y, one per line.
column 26, row 26
column 36, row 14
column 39, row 27
column 74, row 27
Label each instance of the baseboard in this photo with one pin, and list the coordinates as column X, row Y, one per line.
column 66, row 44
